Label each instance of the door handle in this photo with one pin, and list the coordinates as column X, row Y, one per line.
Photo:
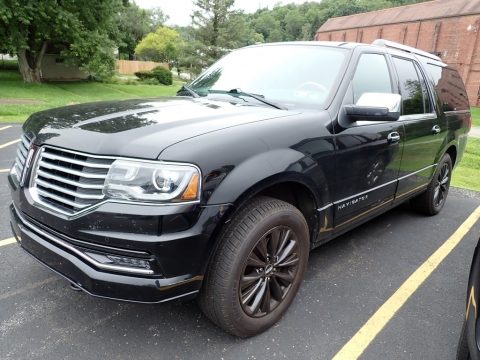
column 436, row 130
column 393, row 137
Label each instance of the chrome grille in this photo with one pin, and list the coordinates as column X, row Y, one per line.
column 69, row 181
column 22, row 152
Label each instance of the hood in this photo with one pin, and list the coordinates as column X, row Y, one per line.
column 139, row 128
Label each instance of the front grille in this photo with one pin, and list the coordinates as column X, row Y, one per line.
column 69, row 181
column 22, row 152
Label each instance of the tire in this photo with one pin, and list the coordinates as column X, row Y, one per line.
column 267, row 240
column 462, row 349
column 432, row 200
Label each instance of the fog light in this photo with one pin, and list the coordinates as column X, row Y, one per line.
column 130, row 262
column 117, row 260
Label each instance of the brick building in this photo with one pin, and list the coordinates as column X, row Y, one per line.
column 448, row 28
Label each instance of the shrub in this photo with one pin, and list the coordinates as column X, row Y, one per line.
column 158, row 74
column 164, row 76
column 143, row 75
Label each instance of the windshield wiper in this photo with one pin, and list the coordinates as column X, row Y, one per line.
column 191, row 92
column 261, row 98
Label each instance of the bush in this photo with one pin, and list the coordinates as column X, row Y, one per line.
column 159, row 74
column 164, row 76
column 143, row 75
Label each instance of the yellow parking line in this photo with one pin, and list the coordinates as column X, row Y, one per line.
column 367, row 333
column 9, row 143
column 7, row 241
column 5, row 127
column 4, row 170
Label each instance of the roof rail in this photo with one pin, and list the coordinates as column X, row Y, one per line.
column 409, row 49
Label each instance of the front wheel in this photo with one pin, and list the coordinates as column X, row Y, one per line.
column 257, row 268
column 432, row 200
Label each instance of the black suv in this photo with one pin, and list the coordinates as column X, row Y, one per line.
column 224, row 189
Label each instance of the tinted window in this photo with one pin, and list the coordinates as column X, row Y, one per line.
column 449, row 87
column 410, row 87
column 371, row 75
column 427, row 103
column 292, row 75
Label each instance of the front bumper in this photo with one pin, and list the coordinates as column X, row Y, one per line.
column 176, row 259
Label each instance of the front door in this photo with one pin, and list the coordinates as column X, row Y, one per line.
column 368, row 153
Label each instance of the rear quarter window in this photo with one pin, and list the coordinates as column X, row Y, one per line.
column 449, row 87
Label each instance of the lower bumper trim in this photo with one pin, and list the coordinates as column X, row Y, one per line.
column 98, row 282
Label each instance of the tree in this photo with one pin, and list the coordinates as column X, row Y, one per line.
column 161, row 45
column 86, row 29
column 157, row 18
column 213, row 22
column 134, row 23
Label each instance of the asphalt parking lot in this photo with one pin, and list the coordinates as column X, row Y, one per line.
column 347, row 281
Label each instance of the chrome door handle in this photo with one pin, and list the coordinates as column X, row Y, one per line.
column 436, row 130
column 393, row 137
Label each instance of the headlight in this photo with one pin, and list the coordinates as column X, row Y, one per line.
column 149, row 181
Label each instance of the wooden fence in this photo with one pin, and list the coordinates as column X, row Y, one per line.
column 129, row 67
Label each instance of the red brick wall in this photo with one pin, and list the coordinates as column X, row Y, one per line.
column 457, row 39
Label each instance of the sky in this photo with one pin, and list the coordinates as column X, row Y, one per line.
column 179, row 11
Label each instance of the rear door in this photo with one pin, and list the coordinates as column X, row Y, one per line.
column 423, row 134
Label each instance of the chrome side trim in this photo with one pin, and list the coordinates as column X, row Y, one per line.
column 325, row 207
column 79, row 253
column 365, row 192
column 380, row 186
column 416, row 172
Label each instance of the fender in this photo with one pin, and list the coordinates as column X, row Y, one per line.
column 269, row 168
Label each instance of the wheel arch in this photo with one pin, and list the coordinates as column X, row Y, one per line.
column 452, row 151
column 292, row 188
column 272, row 174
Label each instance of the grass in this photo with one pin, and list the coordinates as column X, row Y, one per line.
column 50, row 95
column 8, row 64
column 475, row 116
column 467, row 173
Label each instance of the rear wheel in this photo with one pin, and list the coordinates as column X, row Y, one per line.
column 432, row 200
column 257, row 268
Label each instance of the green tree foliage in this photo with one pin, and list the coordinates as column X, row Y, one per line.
column 157, row 18
column 218, row 27
column 87, row 29
column 300, row 22
column 161, row 45
column 133, row 24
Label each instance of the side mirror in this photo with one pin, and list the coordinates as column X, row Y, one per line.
column 375, row 107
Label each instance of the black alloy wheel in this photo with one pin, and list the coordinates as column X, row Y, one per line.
column 432, row 200
column 257, row 267
column 441, row 185
column 269, row 272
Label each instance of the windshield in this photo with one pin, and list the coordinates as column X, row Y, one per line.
column 294, row 76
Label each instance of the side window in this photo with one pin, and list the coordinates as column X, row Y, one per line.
column 410, row 87
column 449, row 87
column 427, row 103
column 371, row 76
